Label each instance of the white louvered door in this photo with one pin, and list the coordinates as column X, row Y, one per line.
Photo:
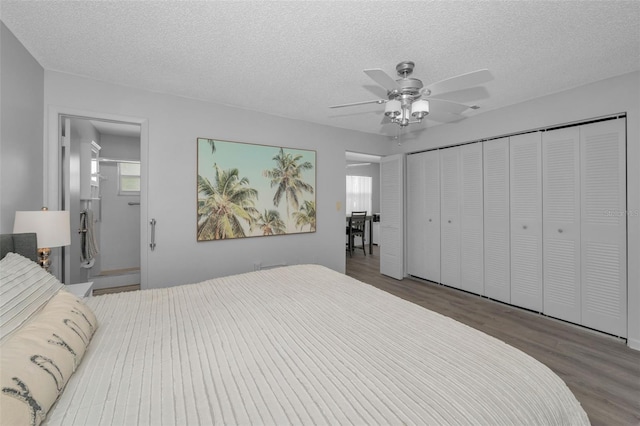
column 561, row 223
column 604, row 221
column 423, row 215
column 431, row 222
column 497, row 231
column 526, row 220
column 392, row 216
column 416, row 212
column 471, row 219
column 450, row 216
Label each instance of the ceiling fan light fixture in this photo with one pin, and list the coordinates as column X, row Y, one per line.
column 392, row 109
column 420, row 109
column 405, row 120
column 409, row 101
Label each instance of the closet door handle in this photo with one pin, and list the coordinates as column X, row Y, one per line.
column 152, row 245
column 560, row 231
column 524, row 226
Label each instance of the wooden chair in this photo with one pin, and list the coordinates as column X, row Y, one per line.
column 356, row 227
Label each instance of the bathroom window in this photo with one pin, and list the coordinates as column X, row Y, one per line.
column 129, row 178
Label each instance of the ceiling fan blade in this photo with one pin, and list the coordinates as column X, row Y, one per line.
column 465, row 95
column 444, row 117
column 441, row 105
column 377, row 101
column 459, row 82
column 383, row 79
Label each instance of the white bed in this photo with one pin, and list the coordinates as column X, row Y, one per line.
column 299, row 345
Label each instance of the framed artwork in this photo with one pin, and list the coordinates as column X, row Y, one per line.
column 247, row 190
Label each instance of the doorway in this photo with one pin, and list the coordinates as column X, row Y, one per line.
column 101, row 187
column 363, row 187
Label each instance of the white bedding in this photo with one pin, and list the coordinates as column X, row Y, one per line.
column 299, row 345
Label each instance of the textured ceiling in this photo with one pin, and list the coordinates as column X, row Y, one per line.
column 294, row 59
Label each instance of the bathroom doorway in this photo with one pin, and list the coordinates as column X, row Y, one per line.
column 101, row 188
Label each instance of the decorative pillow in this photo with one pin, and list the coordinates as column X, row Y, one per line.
column 38, row 359
column 24, row 289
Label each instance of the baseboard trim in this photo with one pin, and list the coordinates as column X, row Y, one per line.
column 634, row 344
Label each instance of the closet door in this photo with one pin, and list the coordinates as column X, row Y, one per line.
column 431, row 221
column 423, row 215
column 416, row 212
column 526, row 221
column 450, row 217
column 497, row 274
column 471, row 219
column 561, row 223
column 392, row 216
column 604, row 221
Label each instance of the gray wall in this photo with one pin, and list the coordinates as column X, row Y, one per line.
column 21, row 123
column 120, row 147
column 169, row 152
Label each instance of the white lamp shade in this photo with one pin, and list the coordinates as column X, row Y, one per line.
column 392, row 108
column 420, row 108
column 52, row 227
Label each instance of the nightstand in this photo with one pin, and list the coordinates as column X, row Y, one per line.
column 80, row 289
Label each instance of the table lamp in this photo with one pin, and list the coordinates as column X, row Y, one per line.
column 52, row 229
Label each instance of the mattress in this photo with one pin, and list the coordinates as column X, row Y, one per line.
column 299, row 345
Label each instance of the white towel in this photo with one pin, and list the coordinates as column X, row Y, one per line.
column 88, row 238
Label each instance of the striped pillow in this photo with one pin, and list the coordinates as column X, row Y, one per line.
column 24, row 289
column 38, row 359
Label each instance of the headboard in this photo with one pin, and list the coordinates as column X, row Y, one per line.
column 24, row 244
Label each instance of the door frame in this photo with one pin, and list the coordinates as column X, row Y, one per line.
column 52, row 173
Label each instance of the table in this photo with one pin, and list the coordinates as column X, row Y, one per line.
column 80, row 289
column 370, row 220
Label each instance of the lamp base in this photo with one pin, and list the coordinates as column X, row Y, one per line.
column 43, row 258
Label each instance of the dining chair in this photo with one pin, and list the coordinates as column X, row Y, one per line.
column 356, row 228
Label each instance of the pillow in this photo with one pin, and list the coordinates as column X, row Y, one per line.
column 24, row 289
column 38, row 359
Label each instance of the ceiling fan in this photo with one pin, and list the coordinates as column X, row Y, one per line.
column 409, row 101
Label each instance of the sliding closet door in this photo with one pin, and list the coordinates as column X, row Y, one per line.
column 604, row 220
column 416, row 212
column 392, row 216
column 497, row 274
column 526, row 221
column 431, row 221
column 471, row 219
column 423, row 215
column 450, row 216
column 561, row 223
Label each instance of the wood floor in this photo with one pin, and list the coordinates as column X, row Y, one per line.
column 123, row 271
column 601, row 371
column 99, row 291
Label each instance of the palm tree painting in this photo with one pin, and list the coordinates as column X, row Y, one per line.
column 271, row 224
column 237, row 181
column 226, row 204
column 306, row 216
column 288, row 180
